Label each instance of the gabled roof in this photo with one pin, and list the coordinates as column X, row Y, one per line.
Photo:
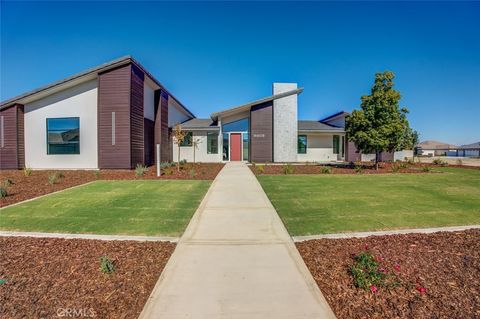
column 200, row 124
column 247, row 106
column 334, row 116
column 317, row 126
column 81, row 77
column 473, row 145
column 432, row 145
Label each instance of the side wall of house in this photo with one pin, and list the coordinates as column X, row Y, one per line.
column 319, row 148
column 201, row 154
column 78, row 101
column 137, row 117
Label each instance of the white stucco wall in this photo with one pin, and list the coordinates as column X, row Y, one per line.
column 319, row 149
column 148, row 102
column 285, row 124
column 201, row 155
column 401, row 155
column 78, row 101
column 176, row 114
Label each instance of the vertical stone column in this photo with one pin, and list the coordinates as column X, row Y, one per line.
column 285, row 124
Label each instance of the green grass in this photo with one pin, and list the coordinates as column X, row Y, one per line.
column 322, row 204
column 111, row 207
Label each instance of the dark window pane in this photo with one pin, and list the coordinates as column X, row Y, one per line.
column 225, row 147
column 63, row 136
column 336, row 144
column 187, row 141
column 212, row 143
column 245, row 146
column 302, row 144
column 237, row 126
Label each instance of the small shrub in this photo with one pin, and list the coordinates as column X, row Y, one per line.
column 191, row 173
column 7, row 183
column 168, row 171
column 367, row 273
column 107, row 266
column 52, row 178
column 3, row 281
column 326, row 170
column 358, row 169
column 459, row 162
column 60, row 175
column 439, row 162
column 403, row 165
column 287, row 169
column 411, row 161
column 27, row 171
column 426, row 169
column 96, row 174
column 395, row 168
column 140, row 170
column 3, row 192
column 183, row 162
column 261, row 169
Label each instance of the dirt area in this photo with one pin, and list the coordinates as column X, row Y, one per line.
column 37, row 184
column 341, row 168
column 47, row 278
column 439, row 275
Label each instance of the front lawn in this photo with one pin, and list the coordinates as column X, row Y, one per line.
column 321, row 204
column 141, row 207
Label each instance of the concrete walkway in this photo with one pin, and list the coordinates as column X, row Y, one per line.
column 236, row 260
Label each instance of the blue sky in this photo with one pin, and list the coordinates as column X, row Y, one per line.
column 215, row 55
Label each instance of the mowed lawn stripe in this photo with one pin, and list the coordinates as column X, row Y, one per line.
column 320, row 204
column 142, row 207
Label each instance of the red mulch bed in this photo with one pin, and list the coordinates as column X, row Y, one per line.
column 47, row 276
column 27, row 187
column 367, row 168
column 447, row 264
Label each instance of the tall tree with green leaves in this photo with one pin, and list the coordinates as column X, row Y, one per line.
column 380, row 125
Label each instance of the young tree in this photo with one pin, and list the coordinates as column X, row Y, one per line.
column 180, row 136
column 381, row 125
column 195, row 142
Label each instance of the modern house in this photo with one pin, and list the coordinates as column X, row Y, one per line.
column 115, row 115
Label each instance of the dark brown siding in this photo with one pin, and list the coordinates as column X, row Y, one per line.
column 149, row 143
column 261, row 129
column 136, row 117
column 351, row 153
column 161, row 125
column 114, row 95
column 9, row 151
column 21, row 136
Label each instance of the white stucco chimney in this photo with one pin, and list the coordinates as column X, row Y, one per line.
column 285, row 124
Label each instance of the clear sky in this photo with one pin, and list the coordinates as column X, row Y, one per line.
column 215, row 55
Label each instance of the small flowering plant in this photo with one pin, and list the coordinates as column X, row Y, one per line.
column 369, row 273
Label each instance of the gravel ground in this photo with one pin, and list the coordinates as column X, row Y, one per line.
column 446, row 264
column 51, row 278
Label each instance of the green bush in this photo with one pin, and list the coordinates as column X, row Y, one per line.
column 96, row 174
column 367, row 273
column 326, row 170
column 140, row 170
column 27, row 171
column 288, row 169
column 7, row 183
column 439, row 162
column 168, row 171
column 395, row 168
column 358, row 169
column 191, row 173
column 183, row 162
column 261, row 169
column 52, row 178
column 107, row 266
column 3, row 192
column 426, row 169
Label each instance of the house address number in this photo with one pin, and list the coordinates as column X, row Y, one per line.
column 258, row 135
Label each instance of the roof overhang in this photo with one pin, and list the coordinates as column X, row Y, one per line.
column 81, row 77
column 322, row 131
column 335, row 116
column 247, row 106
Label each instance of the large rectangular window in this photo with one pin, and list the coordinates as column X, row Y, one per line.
column 336, row 144
column 302, row 144
column 63, row 135
column 187, row 141
column 225, row 147
column 245, row 146
column 212, row 143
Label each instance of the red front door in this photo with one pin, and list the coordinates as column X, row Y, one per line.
column 235, row 146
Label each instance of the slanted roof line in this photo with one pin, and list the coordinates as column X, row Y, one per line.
column 92, row 71
column 246, row 106
column 333, row 116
